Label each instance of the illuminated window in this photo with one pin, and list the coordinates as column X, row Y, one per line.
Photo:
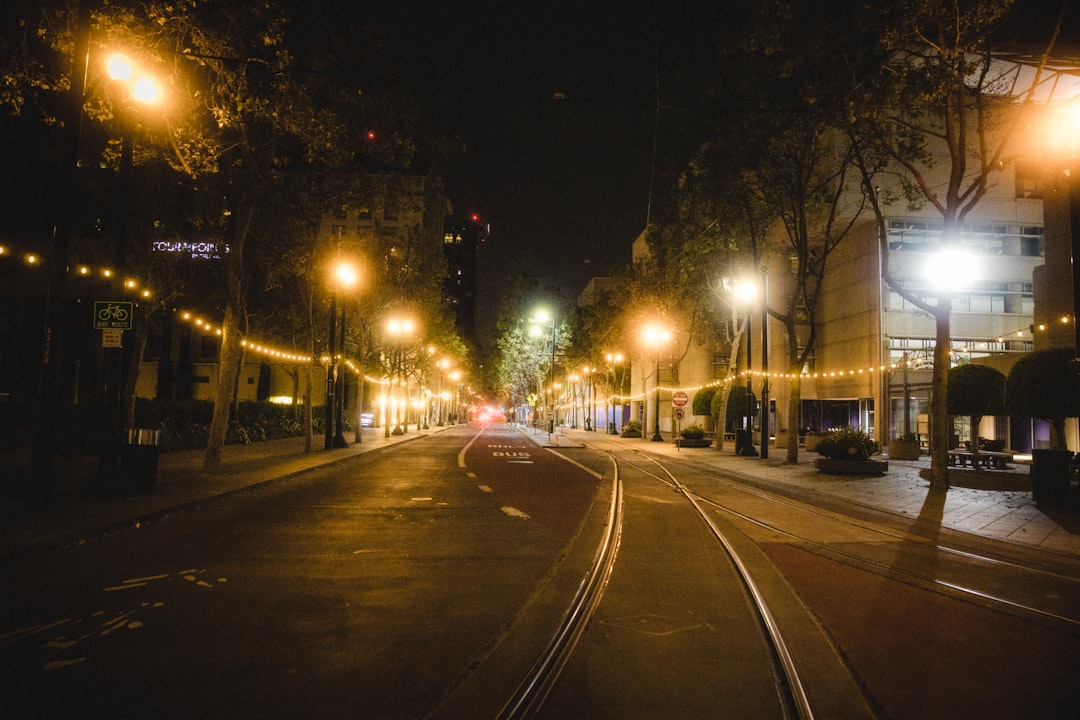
column 1027, row 181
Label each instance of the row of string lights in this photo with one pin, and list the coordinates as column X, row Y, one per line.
column 137, row 290
column 294, row 357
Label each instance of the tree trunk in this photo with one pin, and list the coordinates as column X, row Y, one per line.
column 939, row 396
column 229, row 361
column 794, row 401
column 231, row 350
column 721, row 424
column 973, row 435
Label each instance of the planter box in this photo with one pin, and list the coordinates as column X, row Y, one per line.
column 631, row 433
column 904, row 450
column 694, row 442
column 851, row 467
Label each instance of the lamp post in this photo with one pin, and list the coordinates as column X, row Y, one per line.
column 343, row 276
column 613, row 360
column 346, row 276
column 444, row 367
column 745, row 291
column 455, row 378
column 590, row 419
column 765, row 364
column 656, row 336
column 542, row 316
column 139, row 88
column 399, row 329
column 571, row 380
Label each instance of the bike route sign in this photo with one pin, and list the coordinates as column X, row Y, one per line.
column 112, row 315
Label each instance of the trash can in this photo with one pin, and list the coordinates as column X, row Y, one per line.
column 1050, row 477
column 139, row 462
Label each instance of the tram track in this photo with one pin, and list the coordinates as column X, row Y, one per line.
column 891, row 569
column 792, row 696
column 761, row 624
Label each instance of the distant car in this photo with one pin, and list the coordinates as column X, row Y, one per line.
column 367, row 419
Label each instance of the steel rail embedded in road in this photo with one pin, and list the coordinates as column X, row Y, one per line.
column 530, row 695
column 825, row 549
column 794, row 700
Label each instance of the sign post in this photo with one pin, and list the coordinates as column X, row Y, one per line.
column 679, row 401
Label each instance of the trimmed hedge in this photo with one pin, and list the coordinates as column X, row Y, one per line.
column 185, row 424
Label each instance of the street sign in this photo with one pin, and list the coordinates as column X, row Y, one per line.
column 113, row 315
column 679, row 413
column 679, row 398
column 112, row 338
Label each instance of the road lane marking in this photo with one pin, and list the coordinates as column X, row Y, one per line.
column 486, row 488
column 514, row 512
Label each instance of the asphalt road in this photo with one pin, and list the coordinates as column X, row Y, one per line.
column 422, row 580
column 365, row 590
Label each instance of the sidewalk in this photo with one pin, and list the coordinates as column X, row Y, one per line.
column 180, row 482
column 1007, row 515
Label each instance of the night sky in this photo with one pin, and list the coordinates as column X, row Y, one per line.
column 565, row 182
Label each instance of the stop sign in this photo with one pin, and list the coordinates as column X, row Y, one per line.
column 679, row 399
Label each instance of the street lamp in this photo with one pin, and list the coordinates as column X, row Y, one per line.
column 542, row 316
column 399, row 329
column 444, row 367
column 140, row 88
column 613, row 360
column 656, row 336
column 571, row 380
column 590, row 401
column 745, row 291
column 343, row 276
column 455, row 377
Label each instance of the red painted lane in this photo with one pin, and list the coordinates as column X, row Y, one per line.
column 530, row 479
column 924, row 655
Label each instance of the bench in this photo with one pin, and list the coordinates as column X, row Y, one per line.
column 987, row 460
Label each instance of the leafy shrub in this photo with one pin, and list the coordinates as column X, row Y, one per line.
column 632, row 426
column 703, row 400
column 848, row 444
column 185, row 424
column 693, row 432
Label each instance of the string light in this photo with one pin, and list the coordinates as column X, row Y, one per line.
column 294, row 357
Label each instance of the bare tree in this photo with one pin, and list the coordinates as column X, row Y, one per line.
column 944, row 112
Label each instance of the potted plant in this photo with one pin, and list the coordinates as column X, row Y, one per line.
column 849, row 452
column 693, row 436
column 812, row 436
column 1044, row 384
column 632, row 429
column 905, row 447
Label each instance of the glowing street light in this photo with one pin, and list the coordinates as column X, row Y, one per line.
column 656, row 336
column 744, row 292
column 142, row 87
column 343, row 277
column 613, row 360
column 953, row 268
column 399, row 330
column 543, row 316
